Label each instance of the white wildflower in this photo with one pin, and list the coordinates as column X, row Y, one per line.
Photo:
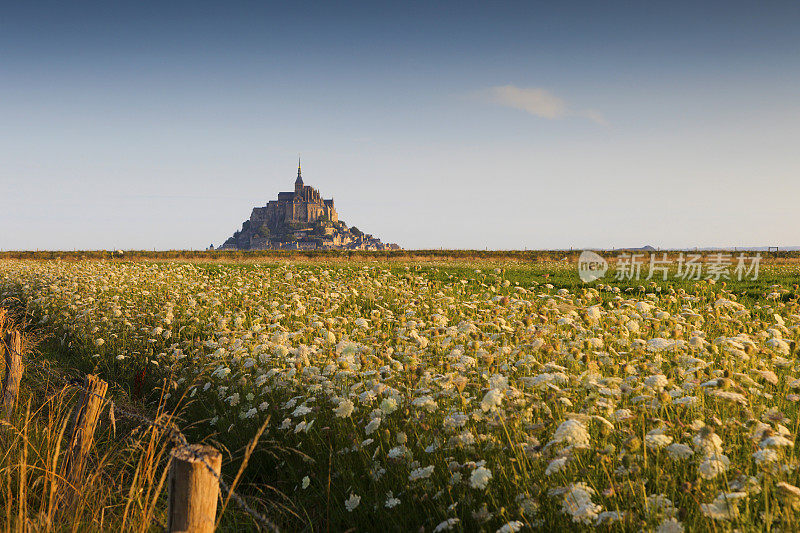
column 571, row 432
column 344, row 409
column 555, row 466
column 388, row 405
column 510, row 527
column 352, row 502
column 765, row 457
column 446, row 525
column 670, row 525
column 578, row 503
column 679, row 451
column 421, row 473
column 724, row 506
column 713, row 465
column 372, row 426
column 425, row 402
column 492, row 400
column 391, row 501
column 657, row 440
column 480, row 477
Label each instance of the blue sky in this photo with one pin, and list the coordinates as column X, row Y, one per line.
column 463, row 125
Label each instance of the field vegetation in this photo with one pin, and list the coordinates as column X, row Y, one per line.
column 520, row 257
column 455, row 395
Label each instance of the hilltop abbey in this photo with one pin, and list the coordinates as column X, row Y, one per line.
column 304, row 205
column 300, row 220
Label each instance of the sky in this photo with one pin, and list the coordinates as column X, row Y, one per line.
column 160, row 125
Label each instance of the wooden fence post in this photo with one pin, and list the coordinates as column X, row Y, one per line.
column 193, row 490
column 14, row 368
column 85, row 423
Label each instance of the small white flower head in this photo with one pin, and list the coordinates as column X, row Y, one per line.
column 776, row 441
column 352, row 502
column 499, row 382
column 670, row 525
column 510, row 527
column 661, row 505
column 372, row 426
column 388, row 405
column 555, row 466
column 425, row 402
column 578, row 503
column 679, row 451
column 571, row 432
column 421, row 473
column 480, row 477
column 606, row 517
column 301, row 410
column 707, row 442
column 657, row 439
column 656, row 382
column 789, row 494
column 712, row 466
column 622, row 414
column 447, row 525
column 306, row 482
column 397, row 452
column 765, row 457
column 391, row 501
column 724, row 507
column 492, row 400
column 344, row 409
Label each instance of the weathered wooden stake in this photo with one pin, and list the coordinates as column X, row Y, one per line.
column 193, row 490
column 14, row 368
column 85, row 423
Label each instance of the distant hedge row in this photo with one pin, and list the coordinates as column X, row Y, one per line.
column 236, row 255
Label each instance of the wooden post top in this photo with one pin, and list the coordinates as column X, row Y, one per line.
column 190, row 453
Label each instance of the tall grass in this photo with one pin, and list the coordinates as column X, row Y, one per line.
column 121, row 489
column 123, row 486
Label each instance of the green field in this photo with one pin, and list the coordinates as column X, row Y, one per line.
column 463, row 393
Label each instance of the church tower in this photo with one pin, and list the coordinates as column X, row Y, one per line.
column 298, row 183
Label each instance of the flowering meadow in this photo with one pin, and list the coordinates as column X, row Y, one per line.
column 435, row 398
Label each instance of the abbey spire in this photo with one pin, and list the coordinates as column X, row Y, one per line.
column 298, row 183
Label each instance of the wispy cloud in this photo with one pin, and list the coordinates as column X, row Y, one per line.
column 594, row 116
column 536, row 101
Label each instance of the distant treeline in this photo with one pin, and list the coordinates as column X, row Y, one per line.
column 408, row 255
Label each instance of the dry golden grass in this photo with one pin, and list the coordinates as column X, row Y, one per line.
column 122, row 488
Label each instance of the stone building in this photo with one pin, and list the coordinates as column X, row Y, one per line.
column 300, row 220
column 302, row 206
